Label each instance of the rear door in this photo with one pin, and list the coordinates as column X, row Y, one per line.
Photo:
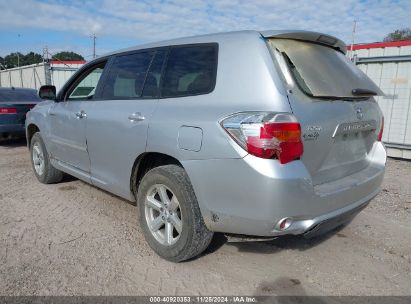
column 68, row 120
column 339, row 125
column 117, row 122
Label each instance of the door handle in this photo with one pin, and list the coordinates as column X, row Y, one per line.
column 81, row 114
column 137, row 116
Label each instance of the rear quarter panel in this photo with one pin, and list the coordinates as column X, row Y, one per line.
column 246, row 81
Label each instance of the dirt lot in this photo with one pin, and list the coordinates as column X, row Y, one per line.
column 74, row 239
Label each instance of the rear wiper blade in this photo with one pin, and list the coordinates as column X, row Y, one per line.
column 358, row 92
column 340, row 97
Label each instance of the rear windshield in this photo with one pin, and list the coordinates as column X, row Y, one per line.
column 18, row 95
column 321, row 71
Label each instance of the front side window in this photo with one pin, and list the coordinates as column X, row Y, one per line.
column 191, row 70
column 86, row 88
column 126, row 76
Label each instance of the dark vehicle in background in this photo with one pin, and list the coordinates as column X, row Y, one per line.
column 14, row 104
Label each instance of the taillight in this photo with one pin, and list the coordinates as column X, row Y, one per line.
column 266, row 135
column 381, row 129
column 8, row 110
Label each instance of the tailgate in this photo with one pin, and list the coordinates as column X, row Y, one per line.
column 339, row 127
column 336, row 141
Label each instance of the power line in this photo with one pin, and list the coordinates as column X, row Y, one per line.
column 46, row 54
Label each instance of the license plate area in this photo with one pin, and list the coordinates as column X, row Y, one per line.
column 348, row 128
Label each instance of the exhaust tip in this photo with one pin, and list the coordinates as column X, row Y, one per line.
column 284, row 224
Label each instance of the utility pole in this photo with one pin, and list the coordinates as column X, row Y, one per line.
column 354, row 26
column 45, row 54
column 94, row 45
column 18, row 55
column 47, row 69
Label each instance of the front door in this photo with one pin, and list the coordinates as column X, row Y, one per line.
column 68, row 121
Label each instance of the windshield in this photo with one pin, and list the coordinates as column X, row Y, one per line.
column 18, row 95
column 321, row 71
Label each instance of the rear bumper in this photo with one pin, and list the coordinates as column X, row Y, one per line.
column 334, row 221
column 329, row 221
column 12, row 129
column 251, row 195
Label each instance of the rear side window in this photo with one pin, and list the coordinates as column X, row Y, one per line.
column 152, row 83
column 191, row 70
column 127, row 75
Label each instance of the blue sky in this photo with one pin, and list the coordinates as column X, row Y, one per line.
column 30, row 25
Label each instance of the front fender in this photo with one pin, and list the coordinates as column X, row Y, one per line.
column 39, row 116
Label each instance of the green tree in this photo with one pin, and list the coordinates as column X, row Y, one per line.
column 16, row 59
column 68, row 56
column 31, row 58
column 13, row 60
column 400, row 34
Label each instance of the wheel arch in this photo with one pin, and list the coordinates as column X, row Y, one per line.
column 30, row 131
column 144, row 163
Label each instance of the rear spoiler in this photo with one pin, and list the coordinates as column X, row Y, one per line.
column 308, row 36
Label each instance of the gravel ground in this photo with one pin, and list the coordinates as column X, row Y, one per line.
column 74, row 239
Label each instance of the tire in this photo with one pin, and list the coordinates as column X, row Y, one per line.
column 194, row 237
column 40, row 162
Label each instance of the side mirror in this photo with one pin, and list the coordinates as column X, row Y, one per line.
column 48, row 92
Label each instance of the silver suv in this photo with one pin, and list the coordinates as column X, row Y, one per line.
column 254, row 133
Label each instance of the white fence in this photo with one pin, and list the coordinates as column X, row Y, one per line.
column 35, row 75
column 30, row 76
column 389, row 66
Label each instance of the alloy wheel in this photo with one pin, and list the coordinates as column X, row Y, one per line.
column 38, row 159
column 163, row 214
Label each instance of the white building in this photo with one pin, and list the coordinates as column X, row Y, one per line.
column 388, row 64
